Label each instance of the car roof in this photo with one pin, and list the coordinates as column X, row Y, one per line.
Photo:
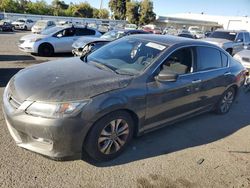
column 170, row 40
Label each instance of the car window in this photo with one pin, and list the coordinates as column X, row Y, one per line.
column 223, row 35
column 84, row 31
column 224, row 59
column 240, row 37
column 247, row 37
column 69, row 32
column 180, row 62
column 208, row 58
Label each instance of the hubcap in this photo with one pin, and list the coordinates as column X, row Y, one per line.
column 113, row 136
column 227, row 101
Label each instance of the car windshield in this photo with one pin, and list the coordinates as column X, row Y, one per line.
column 113, row 35
column 223, row 35
column 127, row 55
column 51, row 30
column 21, row 20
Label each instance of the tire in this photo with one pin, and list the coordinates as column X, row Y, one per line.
column 230, row 51
column 103, row 144
column 1, row 29
column 226, row 101
column 46, row 50
column 25, row 28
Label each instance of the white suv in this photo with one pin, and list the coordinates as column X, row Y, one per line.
column 22, row 23
column 41, row 25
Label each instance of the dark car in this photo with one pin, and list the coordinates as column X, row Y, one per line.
column 128, row 87
column 6, row 26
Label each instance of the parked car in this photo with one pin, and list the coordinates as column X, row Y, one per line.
column 231, row 41
column 154, row 30
column 128, row 87
column 86, row 45
column 244, row 57
column 54, row 40
column 6, row 26
column 41, row 25
column 130, row 27
column 196, row 32
column 115, row 34
column 23, row 24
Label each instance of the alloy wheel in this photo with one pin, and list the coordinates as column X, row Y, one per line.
column 227, row 101
column 113, row 136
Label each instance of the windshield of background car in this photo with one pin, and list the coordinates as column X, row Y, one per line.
column 223, row 35
column 127, row 55
column 51, row 30
column 21, row 21
column 113, row 35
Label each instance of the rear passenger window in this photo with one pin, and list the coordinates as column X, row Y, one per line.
column 208, row 58
column 224, row 59
column 247, row 37
column 84, row 31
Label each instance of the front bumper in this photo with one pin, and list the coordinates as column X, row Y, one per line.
column 55, row 138
column 28, row 47
column 19, row 26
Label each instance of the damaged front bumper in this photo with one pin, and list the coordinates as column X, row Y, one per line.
column 55, row 138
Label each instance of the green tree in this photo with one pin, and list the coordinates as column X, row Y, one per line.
column 9, row 6
column 59, row 7
column 118, row 8
column 147, row 14
column 83, row 10
column 132, row 12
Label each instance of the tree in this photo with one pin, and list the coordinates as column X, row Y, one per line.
column 103, row 14
column 147, row 14
column 59, row 6
column 118, row 8
column 132, row 12
column 83, row 10
column 9, row 6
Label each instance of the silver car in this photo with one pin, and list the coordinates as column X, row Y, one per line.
column 54, row 40
column 41, row 25
column 244, row 57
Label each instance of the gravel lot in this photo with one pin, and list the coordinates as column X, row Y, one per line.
column 206, row 151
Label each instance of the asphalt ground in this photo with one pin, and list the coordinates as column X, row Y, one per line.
column 205, row 151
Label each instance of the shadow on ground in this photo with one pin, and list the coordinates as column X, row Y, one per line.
column 6, row 74
column 197, row 131
column 16, row 58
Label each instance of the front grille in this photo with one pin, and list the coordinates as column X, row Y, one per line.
column 13, row 101
column 246, row 59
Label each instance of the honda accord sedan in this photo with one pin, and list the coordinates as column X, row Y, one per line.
column 133, row 85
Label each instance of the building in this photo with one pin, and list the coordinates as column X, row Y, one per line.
column 204, row 21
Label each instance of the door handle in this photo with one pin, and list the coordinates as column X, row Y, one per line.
column 227, row 73
column 196, row 81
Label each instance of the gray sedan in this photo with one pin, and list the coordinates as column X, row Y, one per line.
column 126, row 88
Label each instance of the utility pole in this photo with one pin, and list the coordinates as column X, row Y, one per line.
column 101, row 4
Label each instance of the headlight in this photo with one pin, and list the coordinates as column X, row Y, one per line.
column 35, row 40
column 55, row 110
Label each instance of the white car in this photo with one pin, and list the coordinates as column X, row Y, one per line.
column 244, row 57
column 23, row 23
column 55, row 40
column 41, row 25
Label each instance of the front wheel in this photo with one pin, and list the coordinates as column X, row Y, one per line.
column 225, row 101
column 45, row 50
column 109, row 136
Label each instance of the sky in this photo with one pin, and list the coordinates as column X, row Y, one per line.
column 215, row 7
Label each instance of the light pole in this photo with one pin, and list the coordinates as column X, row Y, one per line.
column 101, row 4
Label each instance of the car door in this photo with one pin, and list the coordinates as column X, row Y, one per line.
column 168, row 101
column 214, row 73
column 64, row 39
column 239, row 43
column 247, row 40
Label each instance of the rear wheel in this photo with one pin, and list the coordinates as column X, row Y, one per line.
column 225, row 101
column 45, row 50
column 109, row 136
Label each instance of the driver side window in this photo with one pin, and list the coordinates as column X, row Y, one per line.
column 180, row 61
column 69, row 32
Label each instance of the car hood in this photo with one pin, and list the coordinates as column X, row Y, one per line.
column 64, row 80
column 216, row 41
column 19, row 23
column 86, row 40
column 33, row 36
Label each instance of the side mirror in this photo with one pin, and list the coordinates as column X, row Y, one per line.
column 167, row 76
column 239, row 40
